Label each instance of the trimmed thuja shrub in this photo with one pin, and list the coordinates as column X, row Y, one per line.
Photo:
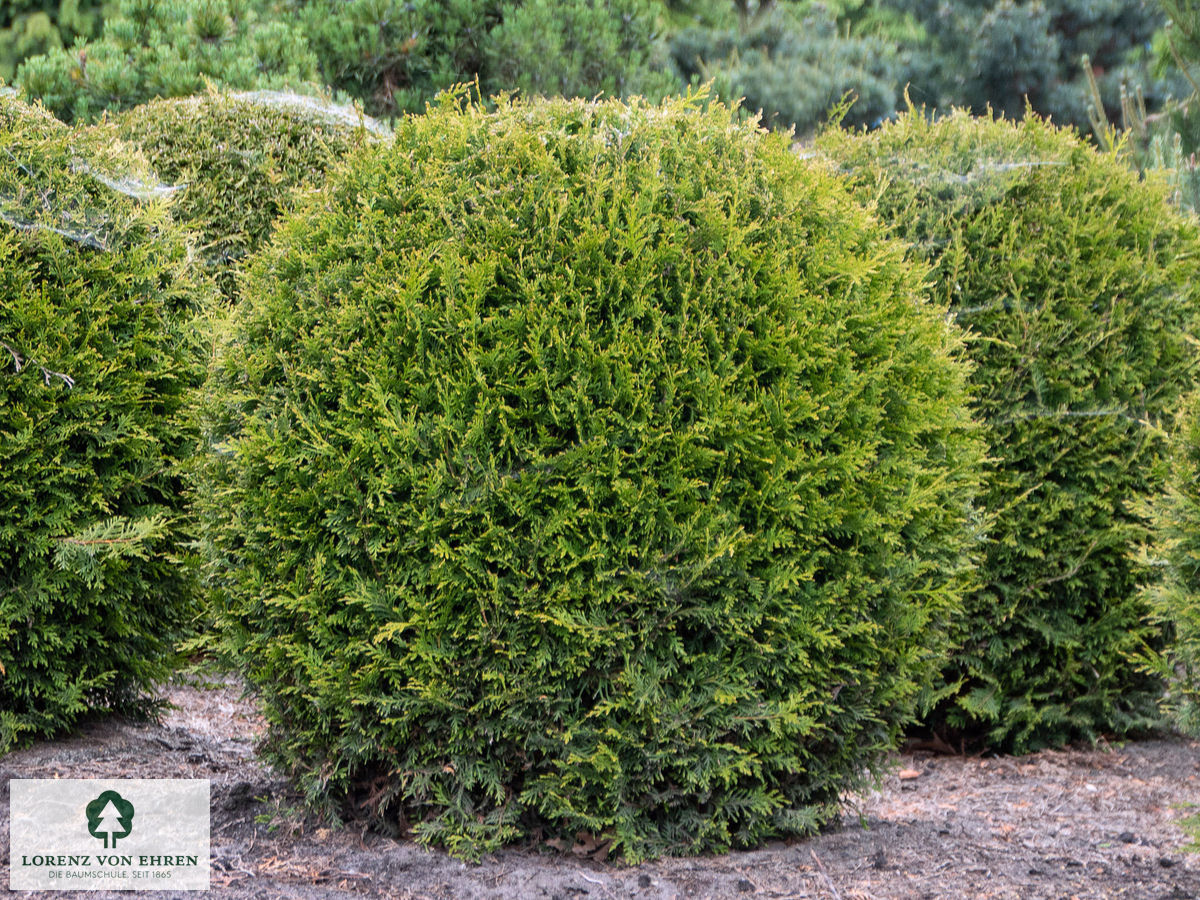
column 1174, row 599
column 238, row 160
column 95, row 297
column 1077, row 284
column 585, row 467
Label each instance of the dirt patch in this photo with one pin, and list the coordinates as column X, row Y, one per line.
column 1080, row 824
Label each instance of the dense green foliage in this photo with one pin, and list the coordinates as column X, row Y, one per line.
column 1174, row 600
column 999, row 53
column 578, row 49
column 586, row 467
column 794, row 70
column 1168, row 142
column 1078, row 286
column 30, row 27
column 975, row 53
column 395, row 55
column 170, row 48
column 239, row 160
column 392, row 55
column 794, row 60
column 94, row 293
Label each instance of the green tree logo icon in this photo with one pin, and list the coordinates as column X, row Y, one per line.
column 110, row 816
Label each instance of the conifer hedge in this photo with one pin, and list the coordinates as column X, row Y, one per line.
column 95, row 364
column 1078, row 286
column 586, row 467
column 238, row 160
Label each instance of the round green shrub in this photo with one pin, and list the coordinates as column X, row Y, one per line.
column 586, row 467
column 1174, row 599
column 95, row 364
column 1077, row 284
column 239, row 159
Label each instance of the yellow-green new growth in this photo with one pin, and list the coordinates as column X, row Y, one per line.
column 586, row 466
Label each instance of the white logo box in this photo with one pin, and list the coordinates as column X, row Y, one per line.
column 73, row 834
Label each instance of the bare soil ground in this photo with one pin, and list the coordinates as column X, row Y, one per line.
column 1093, row 823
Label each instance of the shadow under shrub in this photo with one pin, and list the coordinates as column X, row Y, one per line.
column 238, row 159
column 1077, row 285
column 584, row 467
column 95, row 364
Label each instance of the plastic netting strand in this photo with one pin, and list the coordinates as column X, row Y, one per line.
column 128, row 185
column 315, row 108
column 91, row 235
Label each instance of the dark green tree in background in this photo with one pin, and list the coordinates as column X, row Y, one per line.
column 791, row 58
column 792, row 66
column 31, row 27
column 391, row 56
column 151, row 48
column 395, row 56
column 1169, row 140
column 580, row 49
column 979, row 53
